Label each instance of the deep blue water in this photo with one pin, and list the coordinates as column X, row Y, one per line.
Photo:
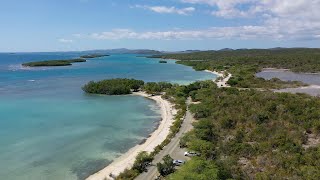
column 51, row 130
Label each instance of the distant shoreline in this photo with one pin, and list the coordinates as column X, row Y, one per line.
column 126, row 160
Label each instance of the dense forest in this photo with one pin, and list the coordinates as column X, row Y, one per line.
column 245, row 131
column 244, row 64
column 296, row 59
column 124, row 86
column 67, row 62
column 113, row 86
column 249, row 134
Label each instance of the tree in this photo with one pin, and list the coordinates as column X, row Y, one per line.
column 167, row 167
column 197, row 169
column 142, row 161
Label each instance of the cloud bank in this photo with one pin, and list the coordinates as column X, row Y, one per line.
column 274, row 20
column 167, row 10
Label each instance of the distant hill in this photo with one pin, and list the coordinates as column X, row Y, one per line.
column 226, row 49
column 123, row 51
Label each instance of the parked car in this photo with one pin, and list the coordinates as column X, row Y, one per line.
column 191, row 154
column 178, row 162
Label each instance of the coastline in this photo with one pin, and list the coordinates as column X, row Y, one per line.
column 222, row 80
column 126, row 160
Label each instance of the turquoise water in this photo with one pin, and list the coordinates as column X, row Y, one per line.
column 51, row 130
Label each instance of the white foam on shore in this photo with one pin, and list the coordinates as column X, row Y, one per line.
column 19, row 67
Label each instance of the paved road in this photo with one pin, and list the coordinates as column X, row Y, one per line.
column 172, row 148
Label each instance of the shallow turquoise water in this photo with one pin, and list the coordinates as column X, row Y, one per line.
column 51, row 130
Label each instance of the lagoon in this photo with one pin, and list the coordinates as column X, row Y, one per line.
column 311, row 79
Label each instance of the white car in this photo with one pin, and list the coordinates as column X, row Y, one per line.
column 191, row 154
column 178, row 162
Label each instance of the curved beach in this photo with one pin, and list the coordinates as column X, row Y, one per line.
column 126, row 160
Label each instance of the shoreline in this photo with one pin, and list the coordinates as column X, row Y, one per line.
column 287, row 70
column 312, row 90
column 126, row 160
column 221, row 82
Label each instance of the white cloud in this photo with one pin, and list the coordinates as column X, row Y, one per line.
column 282, row 8
column 237, row 32
column 62, row 40
column 298, row 19
column 77, row 35
column 226, row 8
column 168, row 10
column 277, row 20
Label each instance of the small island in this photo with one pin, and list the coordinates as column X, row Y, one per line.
column 67, row 62
column 89, row 56
column 163, row 62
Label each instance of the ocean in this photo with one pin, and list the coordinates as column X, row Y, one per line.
column 51, row 130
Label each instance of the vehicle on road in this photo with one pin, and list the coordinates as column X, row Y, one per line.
column 191, row 154
column 178, row 162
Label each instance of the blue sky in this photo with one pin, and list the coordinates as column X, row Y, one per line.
column 64, row 25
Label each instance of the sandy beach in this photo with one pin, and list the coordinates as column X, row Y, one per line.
column 157, row 137
column 275, row 69
column 222, row 82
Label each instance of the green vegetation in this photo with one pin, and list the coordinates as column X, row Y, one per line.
column 113, row 86
column 140, row 165
column 167, row 167
column 54, row 62
column 244, row 64
column 163, row 62
column 250, row 134
column 197, row 169
column 296, row 59
column 89, row 56
column 246, row 131
column 177, row 95
column 156, row 88
column 124, row 86
column 66, row 62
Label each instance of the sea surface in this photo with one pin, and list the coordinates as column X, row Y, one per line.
column 51, row 130
column 311, row 79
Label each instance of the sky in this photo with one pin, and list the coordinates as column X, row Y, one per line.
column 169, row 25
